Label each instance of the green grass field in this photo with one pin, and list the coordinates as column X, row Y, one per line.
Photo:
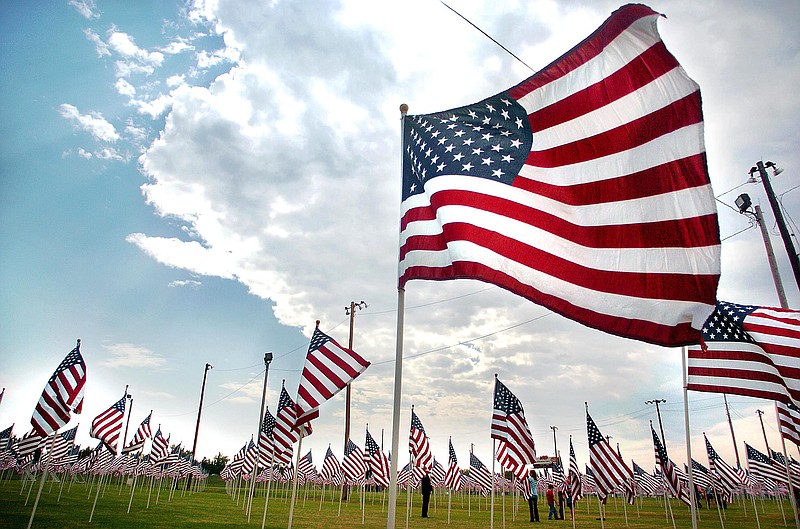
column 213, row 507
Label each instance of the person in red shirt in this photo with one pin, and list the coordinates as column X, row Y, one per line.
column 551, row 502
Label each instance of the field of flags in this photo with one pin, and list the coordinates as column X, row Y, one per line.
column 460, row 220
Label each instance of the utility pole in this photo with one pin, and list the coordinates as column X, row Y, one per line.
column 761, row 419
column 733, row 436
column 555, row 443
column 761, row 169
column 200, row 410
column 743, row 202
column 267, row 360
column 350, row 311
column 658, row 413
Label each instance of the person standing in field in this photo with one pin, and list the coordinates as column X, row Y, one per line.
column 551, row 502
column 533, row 499
column 426, row 494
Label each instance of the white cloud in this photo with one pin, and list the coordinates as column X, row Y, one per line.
column 85, row 7
column 125, row 88
column 131, row 356
column 94, row 123
column 123, row 44
column 185, row 283
column 99, row 46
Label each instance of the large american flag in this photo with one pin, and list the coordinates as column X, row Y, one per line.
column 418, row 444
column 329, row 368
column 285, row 433
column 748, row 350
column 584, row 189
column 646, row 483
column 510, row 427
column 5, row 438
column 789, row 421
column 609, row 469
column 764, row 466
column 452, row 478
column 62, row 444
column 668, row 470
column 108, row 424
column 62, row 394
column 378, row 462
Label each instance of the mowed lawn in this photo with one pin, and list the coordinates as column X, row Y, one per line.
column 213, row 507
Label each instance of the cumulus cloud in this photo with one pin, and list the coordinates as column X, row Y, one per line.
column 100, row 47
column 131, row 356
column 94, row 123
column 191, row 283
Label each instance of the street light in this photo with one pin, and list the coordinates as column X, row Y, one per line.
column 743, row 202
column 760, row 169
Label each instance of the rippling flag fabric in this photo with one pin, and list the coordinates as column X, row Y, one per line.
column 584, row 189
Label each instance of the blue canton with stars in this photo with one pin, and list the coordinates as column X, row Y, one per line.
column 725, row 323
column 490, row 139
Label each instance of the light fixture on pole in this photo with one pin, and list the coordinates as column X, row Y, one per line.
column 760, row 169
column 743, row 202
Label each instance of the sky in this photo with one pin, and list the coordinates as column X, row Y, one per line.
column 199, row 182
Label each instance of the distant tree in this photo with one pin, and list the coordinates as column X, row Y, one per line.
column 215, row 466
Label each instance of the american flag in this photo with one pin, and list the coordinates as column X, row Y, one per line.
column 108, row 424
column 329, row 368
column 437, row 474
column 748, row 350
column 378, row 462
column 646, row 483
column 285, row 433
column 62, row 444
column 159, row 448
column 5, row 438
column 305, row 467
column 584, row 189
column 630, row 490
column 479, row 474
column 670, row 473
column 250, row 458
column 700, row 474
column 418, row 443
column 355, row 468
column 729, row 479
column 452, row 478
column 143, row 432
column 789, row 421
column 62, row 394
column 609, row 469
column 331, row 471
column 574, row 474
column 265, row 439
column 762, row 465
column 510, row 427
column 781, row 461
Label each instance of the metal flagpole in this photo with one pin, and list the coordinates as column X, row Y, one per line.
column 692, row 492
column 491, row 508
column 296, row 472
column 398, row 380
column 269, row 483
column 733, row 436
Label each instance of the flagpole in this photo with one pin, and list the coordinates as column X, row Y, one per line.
column 692, row 492
column 398, row 376
column 269, row 483
column 44, row 478
column 294, row 480
column 100, row 482
column 491, row 508
column 788, row 470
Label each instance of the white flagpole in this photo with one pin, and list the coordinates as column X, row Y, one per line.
column 692, row 492
column 398, row 377
column 294, row 480
column 44, row 478
column 788, row 469
column 269, row 483
column 491, row 508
